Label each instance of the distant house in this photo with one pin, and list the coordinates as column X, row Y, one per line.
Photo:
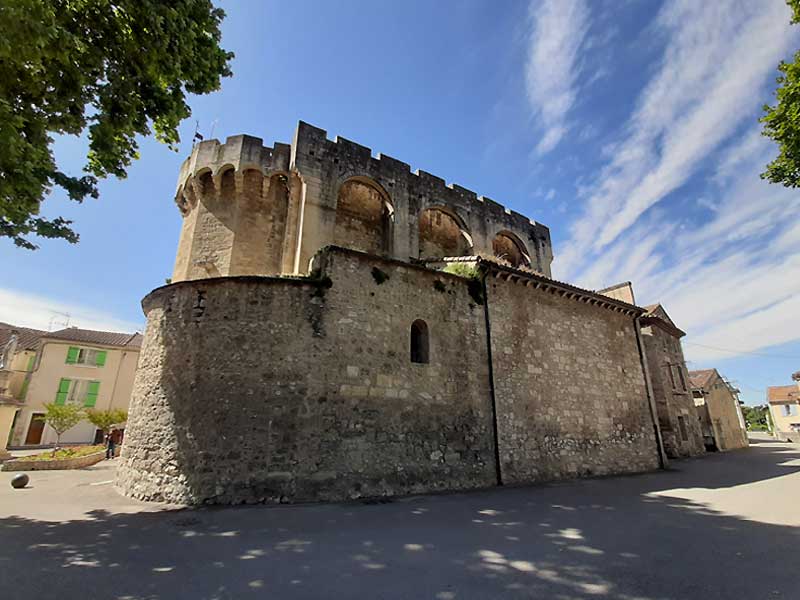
column 717, row 404
column 94, row 369
column 784, row 408
column 677, row 415
column 17, row 353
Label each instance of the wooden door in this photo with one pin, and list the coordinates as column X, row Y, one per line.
column 35, row 429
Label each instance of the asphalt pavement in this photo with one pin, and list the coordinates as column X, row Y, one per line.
column 724, row 526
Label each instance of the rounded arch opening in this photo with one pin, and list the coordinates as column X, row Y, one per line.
column 443, row 233
column 509, row 248
column 420, row 342
column 364, row 217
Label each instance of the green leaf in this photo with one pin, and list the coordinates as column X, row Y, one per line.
column 120, row 70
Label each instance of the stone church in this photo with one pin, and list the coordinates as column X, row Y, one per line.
column 338, row 326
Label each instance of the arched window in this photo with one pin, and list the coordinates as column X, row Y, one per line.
column 363, row 218
column 442, row 234
column 420, row 344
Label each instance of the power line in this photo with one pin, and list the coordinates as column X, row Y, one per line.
column 743, row 351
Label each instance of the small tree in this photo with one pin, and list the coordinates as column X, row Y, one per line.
column 62, row 417
column 104, row 420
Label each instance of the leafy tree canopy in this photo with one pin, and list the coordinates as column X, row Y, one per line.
column 117, row 67
column 782, row 121
column 61, row 417
column 106, row 419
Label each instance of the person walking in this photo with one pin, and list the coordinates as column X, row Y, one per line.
column 111, row 444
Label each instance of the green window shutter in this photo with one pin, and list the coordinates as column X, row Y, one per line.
column 63, row 390
column 72, row 355
column 31, row 361
column 91, row 394
column 23, row 391
column 100, row 358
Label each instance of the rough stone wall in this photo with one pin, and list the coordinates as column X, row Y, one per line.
column 233, row 226
column 326, row 165
column 441, row 235
column 672, row 395
column 569, row 385
column 723, row 412
column 362, row 222
column 312, row 395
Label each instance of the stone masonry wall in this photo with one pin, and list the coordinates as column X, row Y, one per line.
column 569, row 385
column 673, row 399
column 254, row 389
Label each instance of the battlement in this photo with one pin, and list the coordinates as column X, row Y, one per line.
column 251, row 209
column 312, row 145
column 241, row 152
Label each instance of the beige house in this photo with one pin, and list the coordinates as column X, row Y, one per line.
column 717, row 404
column 94, row 369
column 17, row 354
column 784, row 408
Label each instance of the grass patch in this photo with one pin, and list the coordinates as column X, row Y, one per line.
column 462, row 270
column 69, row 452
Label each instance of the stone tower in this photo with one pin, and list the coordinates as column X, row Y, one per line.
column 234, row 198
column 250, row 209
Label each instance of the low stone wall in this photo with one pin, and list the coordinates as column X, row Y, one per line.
column 259, row 389
column 22, row 464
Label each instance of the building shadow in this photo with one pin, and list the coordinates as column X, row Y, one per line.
column 620, row 538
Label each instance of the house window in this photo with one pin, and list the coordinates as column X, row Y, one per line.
column 676, row 375
column 77, row 391
column 789, row 410
column 420, row 346
column 86, row 356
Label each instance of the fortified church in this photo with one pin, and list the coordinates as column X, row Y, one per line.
column 338, row 326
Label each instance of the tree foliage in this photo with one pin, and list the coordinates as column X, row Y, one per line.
column 106, row 419
column 782, row 121
column 117, row 67
column 62, row 417
column 756, row 417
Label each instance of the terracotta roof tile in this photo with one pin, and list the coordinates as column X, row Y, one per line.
column 90, row 336
column 27, row 339
column 702, row 378
column 780, row 394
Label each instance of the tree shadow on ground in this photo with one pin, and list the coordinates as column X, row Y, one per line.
column 616, row 538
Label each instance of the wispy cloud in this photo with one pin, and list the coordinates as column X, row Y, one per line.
column 29, row 310
column 717, row 55
column 558, row 29
column 731, row 282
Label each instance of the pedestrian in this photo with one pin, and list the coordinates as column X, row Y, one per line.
column 111, row 443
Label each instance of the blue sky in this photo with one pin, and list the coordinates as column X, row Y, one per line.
column 629, row 128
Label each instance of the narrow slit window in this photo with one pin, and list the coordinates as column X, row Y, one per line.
column 420, row 344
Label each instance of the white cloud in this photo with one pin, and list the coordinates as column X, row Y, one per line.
column 29, row 310
column 559, row 28
column 717, row 56
column 731, row 282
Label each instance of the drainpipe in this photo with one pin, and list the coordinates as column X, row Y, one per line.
column 116, row 378
column 662, row 455
column 497, row 466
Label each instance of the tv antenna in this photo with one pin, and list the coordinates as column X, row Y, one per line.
column 55, row 315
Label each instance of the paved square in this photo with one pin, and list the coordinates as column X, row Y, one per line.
column 722, row 526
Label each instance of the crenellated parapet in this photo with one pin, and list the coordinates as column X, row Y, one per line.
column 327, row 164
column 234, row 201
column 251, row 209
